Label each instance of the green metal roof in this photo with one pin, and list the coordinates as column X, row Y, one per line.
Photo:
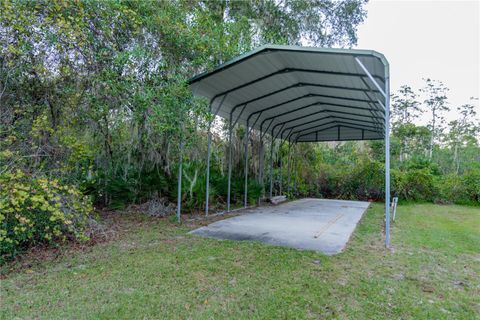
column 300, row 93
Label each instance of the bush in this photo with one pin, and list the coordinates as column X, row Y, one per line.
column 194, row 186
column 254, row 191
column 116, row 190
column 367, row 181
column 220, row 185
column 451, row 189
column 419, row 163
column 460, row 189
column 415, row 184
column 471, row 180
column 39, row 210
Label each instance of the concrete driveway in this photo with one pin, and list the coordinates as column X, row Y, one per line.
column 310, row 224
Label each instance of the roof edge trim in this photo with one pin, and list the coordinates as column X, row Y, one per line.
column 269, row 47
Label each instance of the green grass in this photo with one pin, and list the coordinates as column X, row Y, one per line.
column 156, row 270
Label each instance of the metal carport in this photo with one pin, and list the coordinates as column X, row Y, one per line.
column 300, row 94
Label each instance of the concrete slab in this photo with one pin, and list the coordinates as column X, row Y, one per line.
column 310, row 224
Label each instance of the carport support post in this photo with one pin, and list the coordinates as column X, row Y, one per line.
column 387, row 158
column 209, row 147
column 289, row 166
column 271, row 157
column 279, row 155
column 245, row 194
column 281, row 162
column 386, row 95
column 261, row 164
column 229, row 160
column 231, row 126
column 295, row 178
column 271, row 165
column 179, row 186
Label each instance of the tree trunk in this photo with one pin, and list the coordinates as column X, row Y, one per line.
column 261, row 164
column 430, row 153
column 455, row 159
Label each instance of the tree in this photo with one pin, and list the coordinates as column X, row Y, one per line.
column 462, row 132
column 436, row 104
column 406, row 109
column 405, row 106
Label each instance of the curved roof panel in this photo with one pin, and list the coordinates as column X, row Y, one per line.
column 299, row 93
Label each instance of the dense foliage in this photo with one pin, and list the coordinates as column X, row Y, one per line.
column 39, row 210
column 352, row 171
column 439, row 162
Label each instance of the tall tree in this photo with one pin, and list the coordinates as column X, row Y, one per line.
column 436, row 103
column 405, row 111
column 462, row 131
column 405, row 106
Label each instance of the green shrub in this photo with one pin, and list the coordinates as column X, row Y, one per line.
column 471, row 180
column 39, row 210
column 460, row 189
column 119, row 191
column 330, row 180
column 237, row 189
column 254, row 191
column 367, row 181
column 452, row 189
column 116, row 190
column 110, row 188
column 194, row 186
column 153, row 182
column 415, row 184
column 220, row 183
column 419, row 163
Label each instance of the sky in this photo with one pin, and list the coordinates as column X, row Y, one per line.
column 427, row 39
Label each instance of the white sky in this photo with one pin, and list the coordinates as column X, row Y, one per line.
column 435, row 39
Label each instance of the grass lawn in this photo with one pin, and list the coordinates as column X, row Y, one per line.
column 154, row 269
